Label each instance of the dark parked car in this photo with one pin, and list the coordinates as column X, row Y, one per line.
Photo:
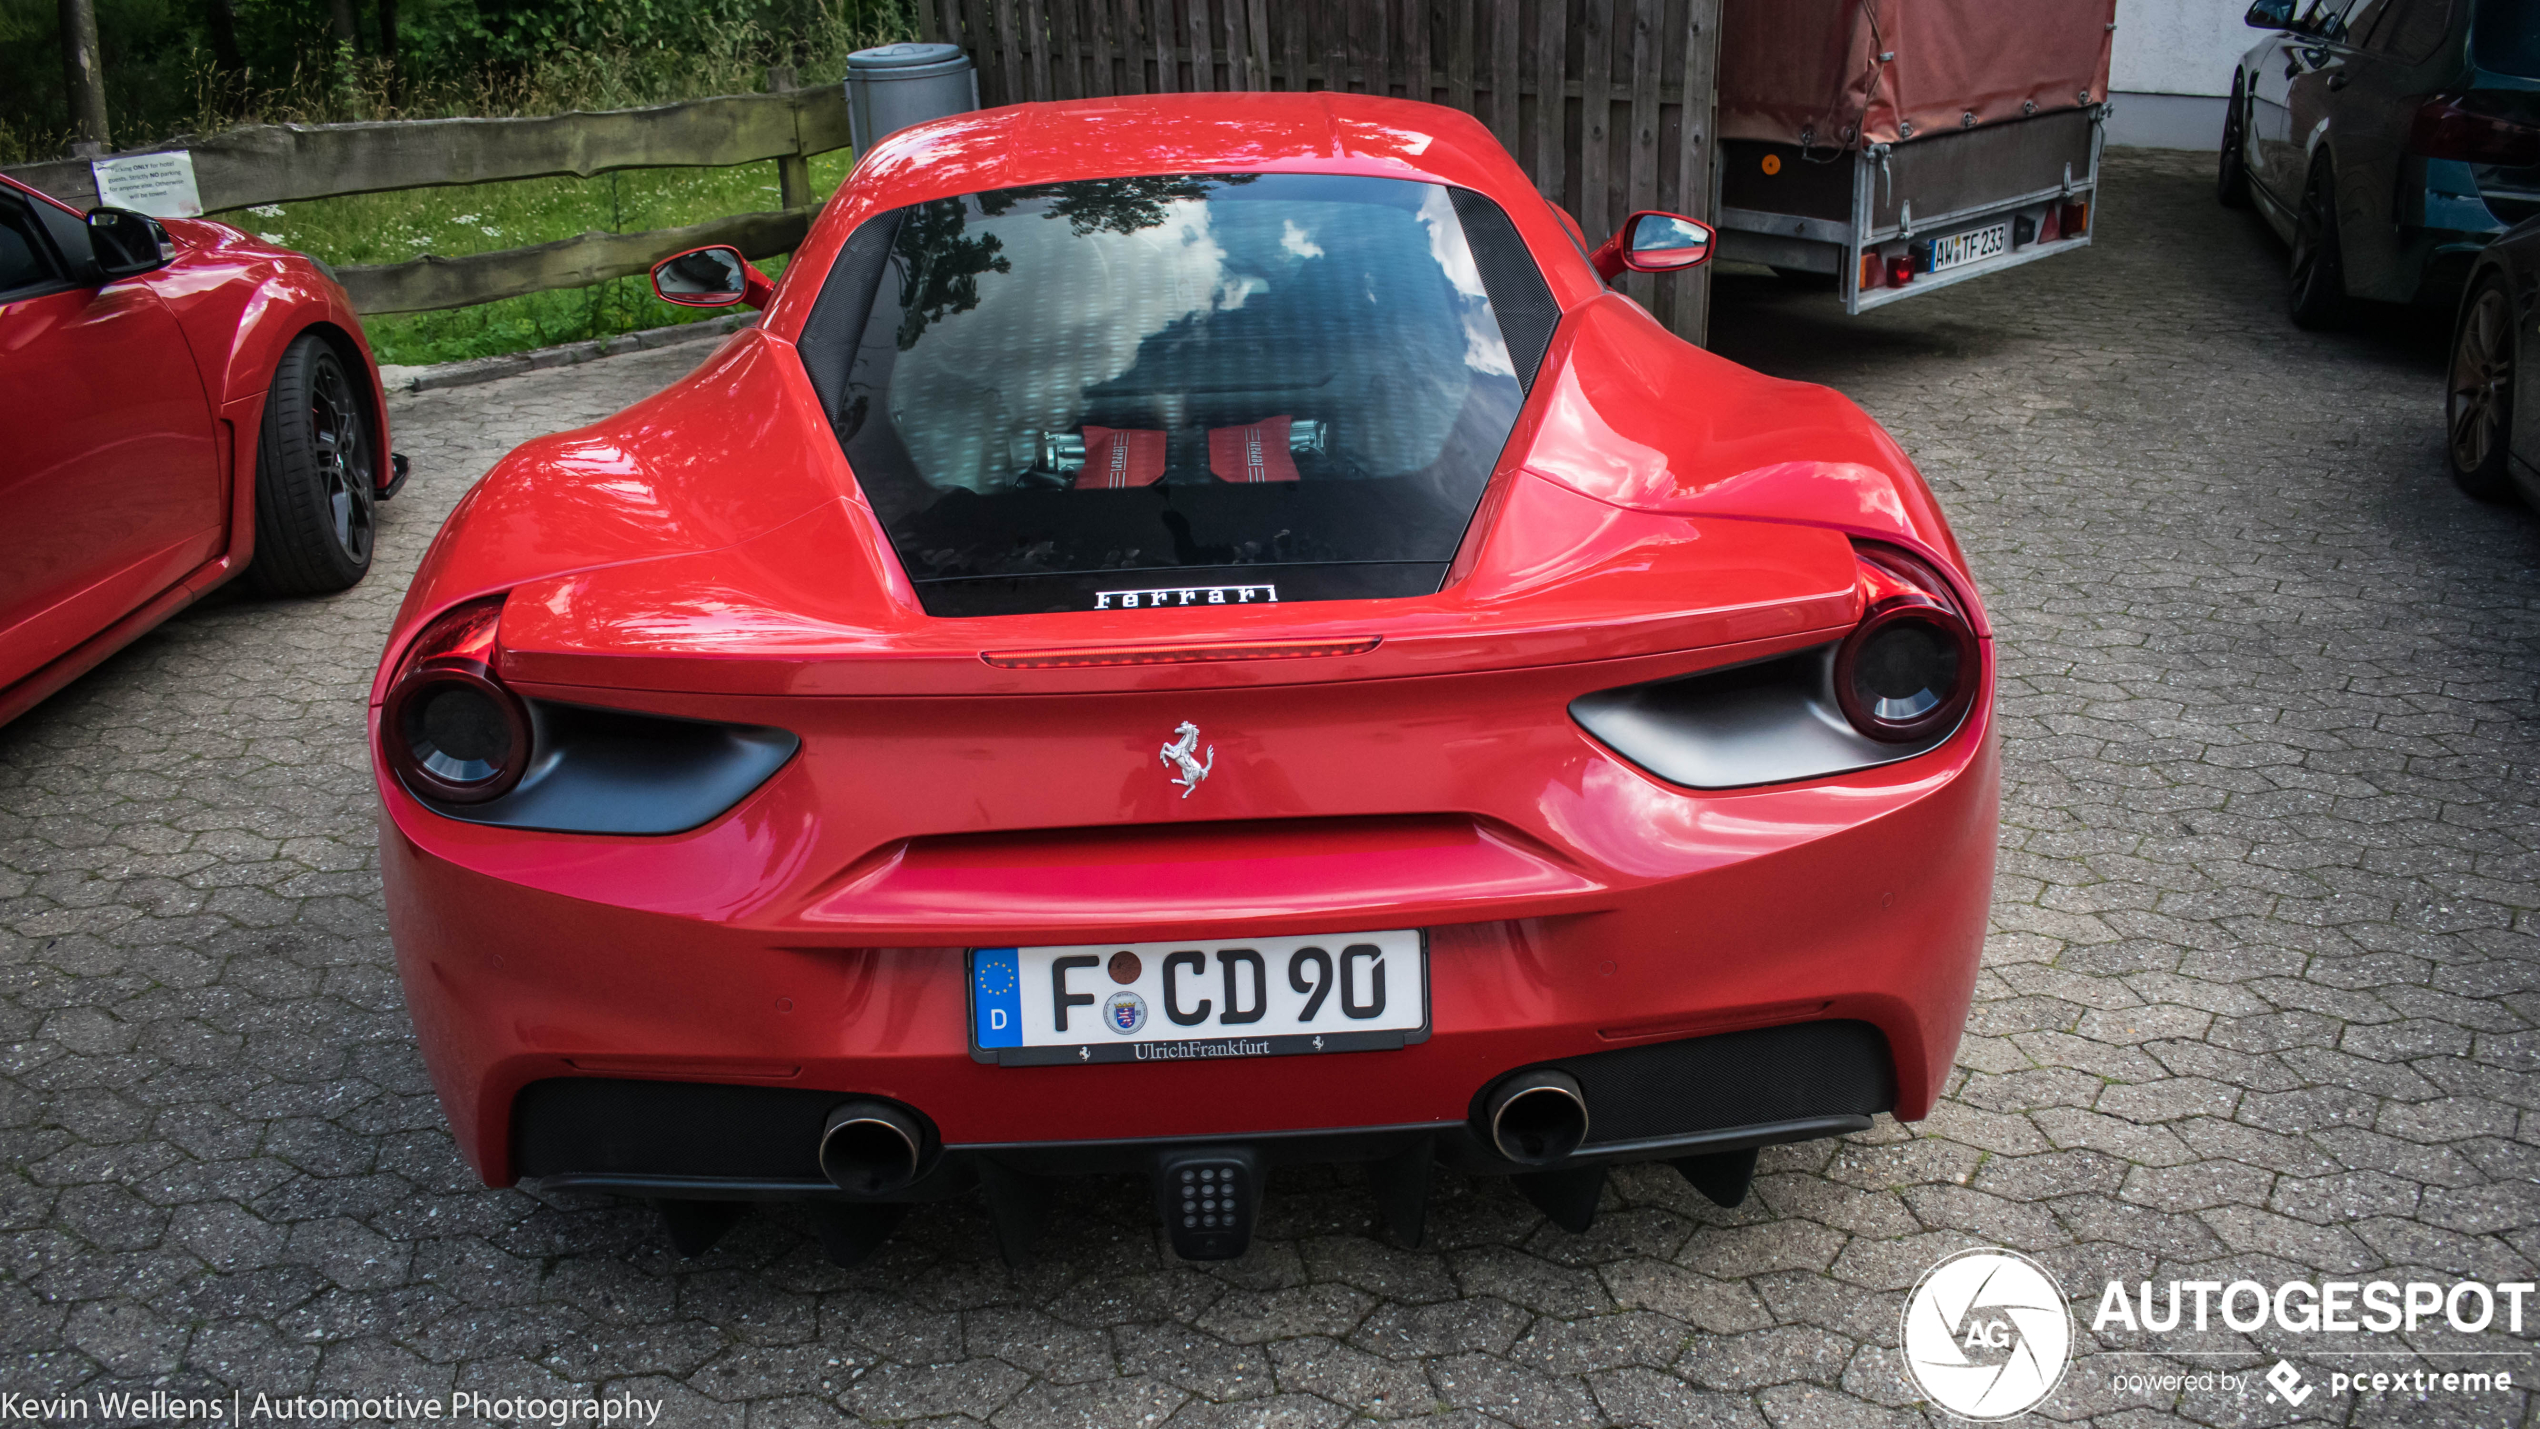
column 2388, row 141
column 2494, row 438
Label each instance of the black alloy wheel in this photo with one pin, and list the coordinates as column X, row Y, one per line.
column 317, row 476
column 2478, row 407
column 2316, row 294
column 2231, row 175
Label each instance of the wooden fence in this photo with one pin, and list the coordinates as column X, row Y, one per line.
column 285, row 163
column 1608, row 104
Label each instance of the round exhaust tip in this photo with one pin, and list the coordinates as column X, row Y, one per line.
column 1537, row 1118
column 870, row 1148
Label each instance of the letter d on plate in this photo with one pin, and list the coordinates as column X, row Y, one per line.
column 996, row 997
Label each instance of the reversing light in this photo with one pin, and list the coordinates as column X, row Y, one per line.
column 1092, row 656
column 449, row 728
column 1909, row 669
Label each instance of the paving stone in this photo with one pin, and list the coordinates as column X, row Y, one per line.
column 1765, row 1357
column 1521, row 1396
column 1366, row 1384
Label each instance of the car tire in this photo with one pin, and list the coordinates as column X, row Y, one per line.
column 2478, row 402
column 2316, row 290
column 316, row 476
column 2231, row 175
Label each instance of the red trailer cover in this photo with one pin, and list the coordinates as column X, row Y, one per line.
column 1813, row 70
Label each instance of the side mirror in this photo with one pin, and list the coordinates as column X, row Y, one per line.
column 712, row 277
column 127, row 244
column 2271, row 15
column 1653, row 242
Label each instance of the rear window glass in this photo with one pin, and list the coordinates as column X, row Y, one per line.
column 2506, row 37
column 1176, row 390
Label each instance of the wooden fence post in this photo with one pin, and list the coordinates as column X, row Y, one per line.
column 793, row 171
column 1697, row 168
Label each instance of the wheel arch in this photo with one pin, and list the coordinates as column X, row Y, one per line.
column 297, row 300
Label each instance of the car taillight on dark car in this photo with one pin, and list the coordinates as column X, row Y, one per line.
column 2451, row 128
column 1909, row 668
column 449, row 727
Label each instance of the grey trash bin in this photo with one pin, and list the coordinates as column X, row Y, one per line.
column 893, row 86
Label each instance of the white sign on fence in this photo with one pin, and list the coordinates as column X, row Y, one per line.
column 160, row 185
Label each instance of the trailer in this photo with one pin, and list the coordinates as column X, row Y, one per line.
column 1902, row 146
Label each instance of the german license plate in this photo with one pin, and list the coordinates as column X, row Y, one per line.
column 1199, row 1000
column 1974, row 245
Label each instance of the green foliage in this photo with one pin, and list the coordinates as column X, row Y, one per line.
column 491, row 57
column 452, row 57
column 480, row 218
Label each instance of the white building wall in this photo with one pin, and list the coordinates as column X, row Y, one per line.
column 2171, row 69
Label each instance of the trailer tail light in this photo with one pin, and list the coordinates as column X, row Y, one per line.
column 1900, row 270
column 2074, row 219
column 2447, row 128
column 1873, row 272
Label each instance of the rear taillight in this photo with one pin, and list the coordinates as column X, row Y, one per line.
column 449, row 727
column 1908, row 670
column 2445, row 128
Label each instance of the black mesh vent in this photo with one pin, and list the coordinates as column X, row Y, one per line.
column 1808, row 1069
column 598, row 1125
column 828, row 343
column 1518, row 294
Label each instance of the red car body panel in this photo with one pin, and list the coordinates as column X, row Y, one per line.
column 707, row 554
column 170, row 407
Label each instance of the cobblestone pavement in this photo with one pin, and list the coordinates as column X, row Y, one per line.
column 2258, row 1002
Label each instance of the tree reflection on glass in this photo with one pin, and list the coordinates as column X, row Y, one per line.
column 940, row 262
column 1112, row 205
column 940, row 265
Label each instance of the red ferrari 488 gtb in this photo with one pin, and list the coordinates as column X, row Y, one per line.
column 1198, row 634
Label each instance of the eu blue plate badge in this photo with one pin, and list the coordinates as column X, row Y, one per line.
column 996, row 998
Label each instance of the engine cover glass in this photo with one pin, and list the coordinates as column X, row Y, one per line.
column 1163, row 391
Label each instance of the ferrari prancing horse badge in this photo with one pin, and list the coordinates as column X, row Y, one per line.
column 1178, row 755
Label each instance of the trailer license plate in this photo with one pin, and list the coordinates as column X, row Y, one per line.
column 1199, row 1000
column 1974, row 245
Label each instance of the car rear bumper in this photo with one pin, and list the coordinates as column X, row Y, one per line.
column 1660, row 919
column 1692, row 1096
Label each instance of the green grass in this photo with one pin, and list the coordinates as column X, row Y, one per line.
column 480, row 218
